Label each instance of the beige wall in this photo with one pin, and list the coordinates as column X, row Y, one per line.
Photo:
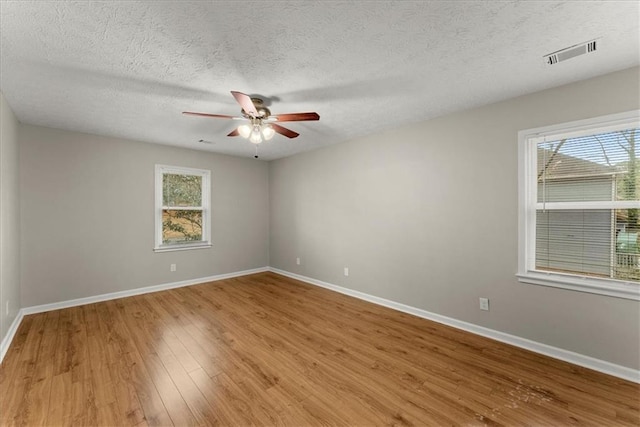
column 88, row 223
column 426, row 215
column 9, row 219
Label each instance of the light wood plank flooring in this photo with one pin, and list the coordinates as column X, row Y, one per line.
column 268, row 350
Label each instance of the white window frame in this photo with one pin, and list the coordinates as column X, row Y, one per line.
column 160, row 171
column 528, row 204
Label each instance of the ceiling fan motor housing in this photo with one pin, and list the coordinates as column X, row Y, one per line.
column 263, row 112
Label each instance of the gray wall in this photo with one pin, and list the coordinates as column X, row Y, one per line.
column 87, row 215
column 9, row 218
column 426, row 215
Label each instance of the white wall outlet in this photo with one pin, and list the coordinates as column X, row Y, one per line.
column 173, row 267
column 484, row 304
column 346, row 271
column 297, row 261
column 6, row 309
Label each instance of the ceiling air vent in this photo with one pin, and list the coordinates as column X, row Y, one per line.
column 572, row 52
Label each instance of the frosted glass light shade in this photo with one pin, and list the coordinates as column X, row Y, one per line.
column 244, row 131
column 255, row 137
column 268, row 132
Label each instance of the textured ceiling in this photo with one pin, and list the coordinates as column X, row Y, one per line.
column 128, row 69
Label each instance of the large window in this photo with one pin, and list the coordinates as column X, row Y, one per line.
column 182, row 211
column 579, row 225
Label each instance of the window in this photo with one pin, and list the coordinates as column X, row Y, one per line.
column 579, row 205
column 182, row 211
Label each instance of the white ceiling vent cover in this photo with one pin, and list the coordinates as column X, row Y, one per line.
column 572, row 52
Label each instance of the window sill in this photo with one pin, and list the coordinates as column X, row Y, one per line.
column 183, row 247
column 613, row 288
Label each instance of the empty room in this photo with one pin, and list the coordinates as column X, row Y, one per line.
column 304, row 213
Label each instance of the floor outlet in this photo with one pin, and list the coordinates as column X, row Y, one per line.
column 484, row 304
column 173, row 267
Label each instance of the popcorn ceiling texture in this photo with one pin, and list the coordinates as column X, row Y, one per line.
column 128, row 69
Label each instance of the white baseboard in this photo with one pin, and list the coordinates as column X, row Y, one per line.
column 555, row 352
column 4, row 346
column 6, row 341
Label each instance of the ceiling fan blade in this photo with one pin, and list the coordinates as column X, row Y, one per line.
column 218, row 116
column 296, row 117
column 234, row 133
column 246, row 103
column 284, row 131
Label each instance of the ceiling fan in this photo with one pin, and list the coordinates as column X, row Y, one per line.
column 262, row 125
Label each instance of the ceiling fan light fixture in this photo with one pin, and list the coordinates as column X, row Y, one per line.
column 244, row 131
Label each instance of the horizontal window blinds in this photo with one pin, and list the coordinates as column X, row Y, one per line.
column 588, row 195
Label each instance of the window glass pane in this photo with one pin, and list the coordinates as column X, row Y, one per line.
column 627, row 259
column 600, row 167
column 602, row 243
column 181, row 190
column 181, row 226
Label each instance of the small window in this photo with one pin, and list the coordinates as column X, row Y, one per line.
column 182, row 211
column 579, row 225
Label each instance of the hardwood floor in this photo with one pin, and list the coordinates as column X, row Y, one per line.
column 268, row 350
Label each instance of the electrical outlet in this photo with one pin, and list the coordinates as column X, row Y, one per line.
column 173, row 267
column 484, row 304
column 346, row 271
column 297, row 261
column 6, row 309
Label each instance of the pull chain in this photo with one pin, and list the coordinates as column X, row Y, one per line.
column 544, row 176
